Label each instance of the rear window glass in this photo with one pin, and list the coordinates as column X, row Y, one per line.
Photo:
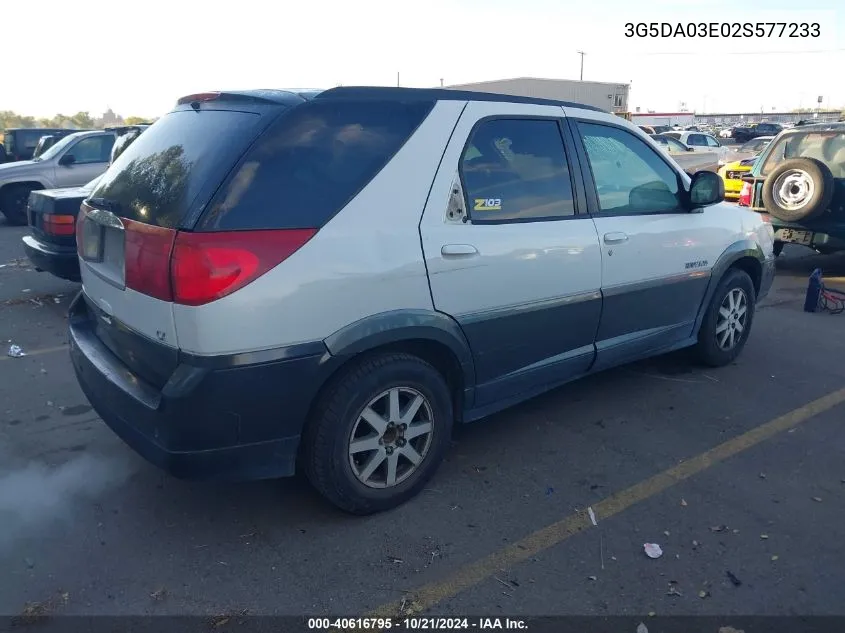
column 311, row 162
column 159, row 176
column 827, row 147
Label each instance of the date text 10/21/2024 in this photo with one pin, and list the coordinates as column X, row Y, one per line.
column 415, row 624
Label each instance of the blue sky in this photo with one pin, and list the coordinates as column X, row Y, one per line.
column 86, row 61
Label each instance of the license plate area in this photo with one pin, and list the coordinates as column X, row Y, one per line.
column 794, row 236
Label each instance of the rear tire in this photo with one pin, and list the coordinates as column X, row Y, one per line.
column 728, row 320
column 379, row 391
column 13, row 200
column 798, row 189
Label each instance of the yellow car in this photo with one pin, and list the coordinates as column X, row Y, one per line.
column 732, row 174
column 733, row 171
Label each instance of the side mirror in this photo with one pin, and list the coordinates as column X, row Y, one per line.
column 67, row 159
column 690, row 149
column 706, row 188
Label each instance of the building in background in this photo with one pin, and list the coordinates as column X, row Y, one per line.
column 663, row 118
column 612, row 97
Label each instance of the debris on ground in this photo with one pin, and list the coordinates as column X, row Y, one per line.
column 642, row 628
column 694, row 544
column 593, row 515
column 652, row 550
column 549, row 491
column 666, row 532
column 764, row 536
column 222, row 620
column 719, row 528
column 817, row 499
column 775, row 557
column 33, row 611
column 159, row 594
column 730, row 629
column 684, row 502
column 673, row 590
column 703, row 594
column 394, row 559
column 732, row 577
column 409, row 607
column 762, row 475
column 592, row 578
column 15, row 351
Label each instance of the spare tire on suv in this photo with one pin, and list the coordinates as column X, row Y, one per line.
column 798, row 189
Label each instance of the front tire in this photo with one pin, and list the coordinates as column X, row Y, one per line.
column 13, row 201
column 379, row 433
column 727, row 322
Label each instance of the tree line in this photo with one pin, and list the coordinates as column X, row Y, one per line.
column 80, row 120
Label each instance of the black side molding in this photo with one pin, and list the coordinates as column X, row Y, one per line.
column 404, row 325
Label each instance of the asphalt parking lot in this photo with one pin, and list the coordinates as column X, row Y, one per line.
column 734, row 470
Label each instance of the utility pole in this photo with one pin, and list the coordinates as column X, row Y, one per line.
column 441, row 82
column 397, row 78
column 582, row 53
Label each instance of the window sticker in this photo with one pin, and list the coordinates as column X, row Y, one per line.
column 488, row 204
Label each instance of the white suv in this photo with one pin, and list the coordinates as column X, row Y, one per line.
column 332, row 279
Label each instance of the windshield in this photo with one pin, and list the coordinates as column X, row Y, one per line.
column 58, row 147
column 827, row 147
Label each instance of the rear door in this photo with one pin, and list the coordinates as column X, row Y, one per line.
column 90, row 159
column 511, row 255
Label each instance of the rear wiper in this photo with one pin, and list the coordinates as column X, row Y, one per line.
column 106, row 205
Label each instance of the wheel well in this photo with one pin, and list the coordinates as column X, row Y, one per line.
column 752, row 266
column 32, row 184
column 437, row 354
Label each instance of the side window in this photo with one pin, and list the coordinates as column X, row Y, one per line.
column 516, row 170
column 711, row 142
column 630, row 177
column 94, row 149
column 676, row 146
column 696, row 140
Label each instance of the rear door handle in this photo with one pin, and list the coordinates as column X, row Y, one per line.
column 615, row 238
column 453, row 250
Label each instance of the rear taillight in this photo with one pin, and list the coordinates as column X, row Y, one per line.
column 58, row 224
column 146, row 257
column 208, row 266
column 745, row 194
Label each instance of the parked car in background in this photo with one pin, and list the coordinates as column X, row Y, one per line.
column 690, row 160
column 700, row 142
column 647, row 129
column 20, row 143
column 661, row 129
column 51, row 213
column 746, row 133
column 74, row 161
column 732, row 174
column 799, row 182
column 751, row 148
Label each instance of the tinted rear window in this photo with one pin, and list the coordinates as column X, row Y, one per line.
column 158, row 178
column 311, row 162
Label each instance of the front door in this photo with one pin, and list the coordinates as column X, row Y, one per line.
column 90, row 159
column 511, row 255
column 656, row 255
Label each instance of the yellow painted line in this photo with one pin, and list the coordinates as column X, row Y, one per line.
column 474, row 573
column 37, row 352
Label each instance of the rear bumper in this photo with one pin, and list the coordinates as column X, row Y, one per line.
column 56, row 260
column 235, row 423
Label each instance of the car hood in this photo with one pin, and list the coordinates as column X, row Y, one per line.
column 8, row 170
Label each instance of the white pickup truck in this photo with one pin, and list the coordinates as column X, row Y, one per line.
column 690, row 160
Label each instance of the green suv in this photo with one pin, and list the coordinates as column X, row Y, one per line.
column 799, row 182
